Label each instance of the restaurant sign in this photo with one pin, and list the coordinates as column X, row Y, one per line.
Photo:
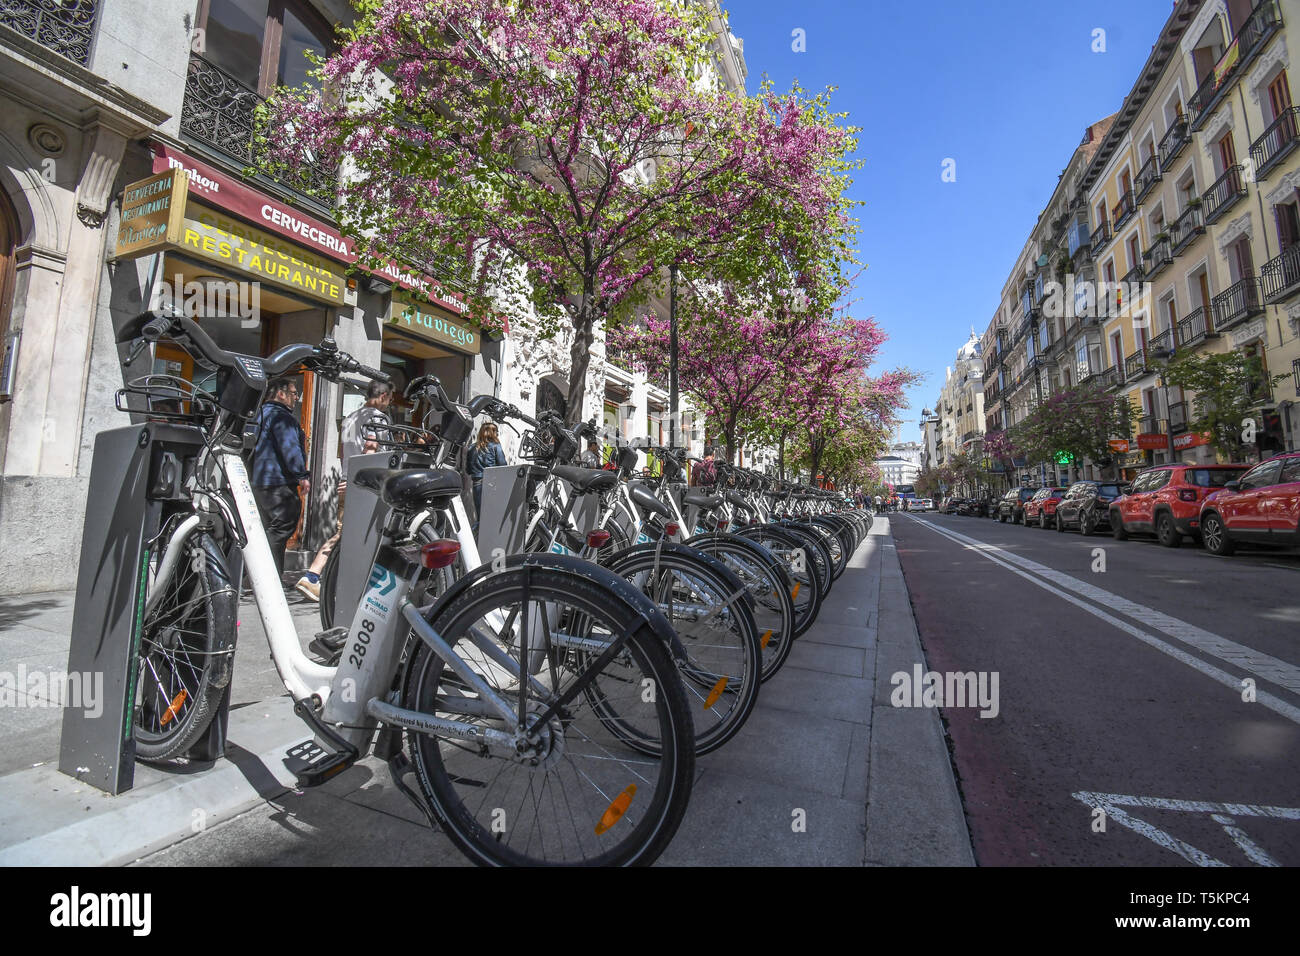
column 152, row 212
column 416, row 318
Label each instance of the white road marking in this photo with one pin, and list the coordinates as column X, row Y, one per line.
column 1223, row 814
column 1273, row 703
column 1255, row 662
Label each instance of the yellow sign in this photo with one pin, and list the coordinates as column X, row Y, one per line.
column 260, row 255
column 420, row 319
column 152, row 213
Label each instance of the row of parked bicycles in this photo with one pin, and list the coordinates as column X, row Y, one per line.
column 543, row 705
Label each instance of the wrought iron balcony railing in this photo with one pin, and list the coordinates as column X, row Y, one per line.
column 1136, row 274
column 1135, row 365
column 1147, row 178
column 1277, row 142
column 65, row 26
column 1281, row 275
column 1226, row 192
column 1123, row 210
column 1263, row 22
column 1157, row 257
column 1161, row 345
column 1100, row 236
column 1150, row 425
column 219, row 112
column 1173, row 142
column 1186, row 228
column 1192, row 328
column 1111, row 377
column 1237, row 303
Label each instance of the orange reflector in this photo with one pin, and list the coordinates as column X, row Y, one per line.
column 174, row 709
column 795, row 592
column 714, row 694
column 598, row 539
column 670, row 529
column 439, row 554
column 614, row 812
column 766, row 637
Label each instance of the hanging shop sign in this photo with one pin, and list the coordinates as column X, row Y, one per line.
column 221, row 191
column 1190, row 440
column 1152, row 441
column 1119, row 445
column 208, row 235
column 408, row 315
column 153, row 210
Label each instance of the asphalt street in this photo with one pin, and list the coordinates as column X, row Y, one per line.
column 1148, row 706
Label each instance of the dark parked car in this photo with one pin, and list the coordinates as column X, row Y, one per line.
column 1011, row 507
column 1262, row 508
column 972, row 507
column 1086, row 505
column 1166, row 501
column 950, row 505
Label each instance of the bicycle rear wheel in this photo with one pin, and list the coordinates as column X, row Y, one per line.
column 187, row 646
column 582, row 795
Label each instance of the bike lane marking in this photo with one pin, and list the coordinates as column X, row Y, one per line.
column 1274, row 670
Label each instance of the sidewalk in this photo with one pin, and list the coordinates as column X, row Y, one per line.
column 826, row 771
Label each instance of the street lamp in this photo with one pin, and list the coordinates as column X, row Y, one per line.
column 674, row 408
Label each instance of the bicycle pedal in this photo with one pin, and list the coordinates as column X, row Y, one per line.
column 335, row 637
column 312, row 764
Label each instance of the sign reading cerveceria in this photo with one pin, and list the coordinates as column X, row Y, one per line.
column 261, row 255
column 418, row 319
column 152, row 213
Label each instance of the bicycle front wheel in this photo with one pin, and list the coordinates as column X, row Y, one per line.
column 580, row 795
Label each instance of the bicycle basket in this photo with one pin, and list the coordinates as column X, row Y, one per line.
column 534, row 447
column 166, row 398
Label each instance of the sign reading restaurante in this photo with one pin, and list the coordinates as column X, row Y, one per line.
column 152, row 212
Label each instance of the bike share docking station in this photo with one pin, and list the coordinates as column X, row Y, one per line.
column 137, row 482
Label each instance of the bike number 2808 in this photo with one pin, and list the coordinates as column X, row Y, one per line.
column 361, row 642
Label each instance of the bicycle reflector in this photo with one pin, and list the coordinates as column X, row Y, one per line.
column 439, row 554
column 597, row 539
column 670, row 529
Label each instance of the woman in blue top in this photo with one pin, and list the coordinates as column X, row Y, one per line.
column 484, row 453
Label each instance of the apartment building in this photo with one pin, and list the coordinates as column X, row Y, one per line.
column 958, row 418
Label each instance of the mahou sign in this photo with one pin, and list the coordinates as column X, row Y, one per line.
column 217, row 189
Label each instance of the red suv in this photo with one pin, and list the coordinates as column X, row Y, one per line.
column 1262, row 508
column 1166, row 501
column 1042, row 507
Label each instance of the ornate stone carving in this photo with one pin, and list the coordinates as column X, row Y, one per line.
column 1285, row 186
column 47, row 139
column 1239, row 227
column 1192, row 35
column 1275, row 56
column 97, row 179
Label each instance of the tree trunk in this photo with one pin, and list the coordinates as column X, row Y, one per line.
column 780, row 456
column 730, row 434
column 579, row 362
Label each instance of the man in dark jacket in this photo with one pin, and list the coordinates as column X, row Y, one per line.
column 279, row 466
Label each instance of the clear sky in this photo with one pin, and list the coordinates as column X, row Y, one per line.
column 1005, row 88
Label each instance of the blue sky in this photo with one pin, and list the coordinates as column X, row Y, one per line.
column 1004, row 88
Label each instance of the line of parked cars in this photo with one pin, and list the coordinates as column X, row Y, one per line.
column 1221, row 506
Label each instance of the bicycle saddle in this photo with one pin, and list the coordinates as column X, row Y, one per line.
column 645, row 498
column 586, row 479
column 412, row 489
column 701, row 499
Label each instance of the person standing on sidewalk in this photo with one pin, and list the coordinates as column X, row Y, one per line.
column 360, row 434
column 280, row 466
column 484, row 453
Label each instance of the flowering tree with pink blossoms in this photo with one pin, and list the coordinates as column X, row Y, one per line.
column 555, row 157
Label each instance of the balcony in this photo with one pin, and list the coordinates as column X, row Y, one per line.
column 1097, row 241
column 1263, row 22
column 1147, row 178
column 1135, row 366
column 1186, row 228
column 1277, row 142
column 219, row 112
column 1237, row 303
column 65, row 26
column 1157, row 257
column 1227, row 191
column 1077, row 237
column 1123, row 210
column 1177, row 137
column 1110, row 378
column 1178, row 417
column 1160, row 346
column 1150, row 425
column 1134, row 275
column 1281, row 276
column 1192, row 328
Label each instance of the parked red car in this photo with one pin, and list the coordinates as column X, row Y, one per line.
column 1042, row 507
column 1263, row 507
column 1166, row 501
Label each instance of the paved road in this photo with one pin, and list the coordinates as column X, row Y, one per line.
column 1119, row 690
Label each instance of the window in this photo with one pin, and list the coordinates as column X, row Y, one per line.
column 1291, row 469
column 1117, row 350
column 1211, row 477
column 1227, row 153
column 1279, row 96
column 262, row 43
column 1287, row 216
column 1262, row 475
column 1240, row 261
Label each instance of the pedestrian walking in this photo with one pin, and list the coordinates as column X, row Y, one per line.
column 484, row 453
column 280, row 466
column 360, row 434
column 591, row 457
